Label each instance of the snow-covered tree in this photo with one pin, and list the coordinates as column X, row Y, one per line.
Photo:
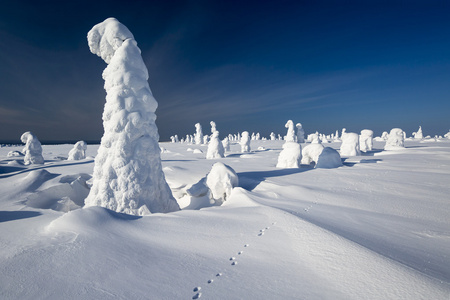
column 290, row 156
column 226, row 144
column 447, row 135
column 221, row 180
column 366, row 140
column 419, row 134
column 384, row 135
column 311, row 152
column 128, row 175
column 245, row 142
column 205, row 139
column 215, row 147
column 213, row 127
column 396, row 140
column 78, row 152
column 300, row 133
column 32, row 149
column 272, row 136
column 198, row 134
column 290, row 135
column 350, row 144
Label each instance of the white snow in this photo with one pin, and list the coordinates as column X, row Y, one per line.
column 221, row 180
column 328, row 159
column 375, row 228
column 290, row 135
column 311, row 153
column 128, row 176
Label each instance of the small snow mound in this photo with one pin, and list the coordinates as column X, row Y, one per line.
column 290, row 156
column 329, row 158
column 15, row 154
column 198, row 151
column 64, row 197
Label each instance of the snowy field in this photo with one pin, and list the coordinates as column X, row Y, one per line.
column 376, row 228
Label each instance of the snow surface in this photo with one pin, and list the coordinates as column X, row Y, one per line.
column 375, row 228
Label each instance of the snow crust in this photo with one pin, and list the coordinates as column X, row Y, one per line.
column 128, row 175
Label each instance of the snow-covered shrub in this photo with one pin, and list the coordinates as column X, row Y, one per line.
column 290, row 156
column 300, row 133
column 366, row 140
column 290, row 135
column 350, row 144
column 14, row 154
column 329, row 158
column 32, row 149
column 215, row 147
column 221, row 180
column 198, row 137
column 447, row 135
column 314, row 138
column 419, row 134
column 245, row 142
column 310, row 153
column 78, row 152
column 128, row 176
column 385, row 135
column 396, row 140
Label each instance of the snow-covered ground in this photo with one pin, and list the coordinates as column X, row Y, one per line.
column 376, row 228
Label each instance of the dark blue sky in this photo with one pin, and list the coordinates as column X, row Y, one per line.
column 247, row 65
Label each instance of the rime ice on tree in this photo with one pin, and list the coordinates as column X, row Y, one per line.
column 32, row 149
column 78, row 151
column 395, row 140
column 128, row 176
column 213, row 127
column 366, row 140
column 215, row 147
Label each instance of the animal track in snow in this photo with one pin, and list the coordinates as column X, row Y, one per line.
column 233, row 263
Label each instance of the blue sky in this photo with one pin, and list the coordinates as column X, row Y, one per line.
column 247, row 65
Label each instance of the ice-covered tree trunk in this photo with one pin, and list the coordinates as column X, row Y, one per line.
column 32, row 149
column 128, row 176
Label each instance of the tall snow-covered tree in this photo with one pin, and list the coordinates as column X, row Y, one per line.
column 128, row 175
